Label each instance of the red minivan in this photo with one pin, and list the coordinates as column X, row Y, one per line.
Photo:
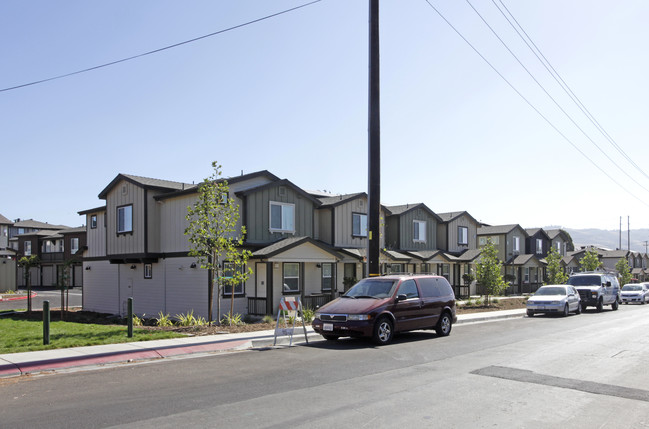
column 379, row 307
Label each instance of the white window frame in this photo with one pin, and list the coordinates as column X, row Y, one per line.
column 74, row 245
column 516, row 245
column 419, row 231
column 126, row 226
column 539, row 246
column 287, row 222
column 327, row 277
column 462, row 235
column 28, row 248
column 228, row 268
column 362, row 225
column 285, row 287
column 526, row 275
column 93, row 221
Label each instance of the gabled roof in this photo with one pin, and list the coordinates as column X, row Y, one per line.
column 405, row 208
column 553, row 233
column 283, row 182
column 95, row 210
column 523, row 259
column 339, row 199
column 75, row 230
column 531, row 232
column 451, row 216
column 31, row 223
column 396, row 256
column 5, row 221
column 615, row 254
column 146, row 183
column 231, row 180
column 289, row 243
column 469, row 255
column 498, row 229
column 427, row 255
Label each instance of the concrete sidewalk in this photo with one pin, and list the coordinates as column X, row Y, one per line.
column 16, row 364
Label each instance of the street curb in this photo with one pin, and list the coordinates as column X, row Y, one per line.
column 3, row 299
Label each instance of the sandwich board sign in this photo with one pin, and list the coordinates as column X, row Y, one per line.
column 290, row 308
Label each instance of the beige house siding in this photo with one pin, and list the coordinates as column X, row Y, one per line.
column 453, row 235
column 406, row 230
column 173, row 212
column 344, row 224
column 96, row 240
column 100, row 292
column 125, row 193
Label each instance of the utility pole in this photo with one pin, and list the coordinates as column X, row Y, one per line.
column 374, row 146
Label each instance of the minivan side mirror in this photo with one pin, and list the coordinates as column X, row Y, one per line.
column 402, row 297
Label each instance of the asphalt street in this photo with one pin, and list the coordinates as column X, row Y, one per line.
column 579, row 371
column 51, row 295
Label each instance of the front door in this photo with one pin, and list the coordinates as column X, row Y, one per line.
column 260, row 295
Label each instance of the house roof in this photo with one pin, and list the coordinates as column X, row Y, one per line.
column 469, row 255
column 524, row 259
column 339, row 199
column 451, row 216
column 289, row 243
column 283, row 182
column 146, row 183
column 426, row 255
column 498, row 229
column 615, row 254
column 534, row 231
column 31, row 223
column 397, row 256
column 95, row 210
column 405, row 208
column 5, row 221
column 553, row 233
column 75, row 230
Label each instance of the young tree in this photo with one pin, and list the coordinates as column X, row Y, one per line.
column 489, row 271
column 29, row 262
column 556, row 276
column 590, row 261
column 64, row 284
column 622, row 267
column 215, row 239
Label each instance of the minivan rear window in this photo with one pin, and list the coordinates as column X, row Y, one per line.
column 428, row 286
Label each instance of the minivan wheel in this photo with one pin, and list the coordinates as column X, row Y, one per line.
column 383, row 331
column 566, row 311
column 530, row 313
column 444, row 325
column 600, row 305
column 614, row 305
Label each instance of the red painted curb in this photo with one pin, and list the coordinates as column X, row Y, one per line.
column 16, row 298
column 9, row 370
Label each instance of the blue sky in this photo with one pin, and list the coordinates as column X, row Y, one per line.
column 289, row 94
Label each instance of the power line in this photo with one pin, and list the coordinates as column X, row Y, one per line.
column 155, row 51
column 557, row 77
column 530, row 104
column 553, row 99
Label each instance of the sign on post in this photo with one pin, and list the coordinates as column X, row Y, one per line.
column 290, row 308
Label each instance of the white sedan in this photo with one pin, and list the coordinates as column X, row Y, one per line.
column 634, row 292
column 561, row 299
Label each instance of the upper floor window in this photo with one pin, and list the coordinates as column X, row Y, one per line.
column 74, row 245
column 21, row 230
column 125, row 219
column 462, row 235
column 282, row 217
column 28, row 248
column 517, row 244
column 539, row 246
column 494, row 240
column 419, row 233
column 558, row 244
column 359, row 225
column 93, row 221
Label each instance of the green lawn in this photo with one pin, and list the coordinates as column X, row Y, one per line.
column 18, row 335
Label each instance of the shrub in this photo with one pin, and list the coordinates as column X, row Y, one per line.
column 232, row 320
column 186, row 319
column 479, row 301
column 268, row 319
column 163, row 320
column 138, row 321
column 308, row 314
column 495, row 300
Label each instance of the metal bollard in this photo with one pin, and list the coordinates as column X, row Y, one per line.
column 46, row 323
column 130, row 317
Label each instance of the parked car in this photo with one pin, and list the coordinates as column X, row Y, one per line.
column 596, row 289
column 561, row 299
column 379, row 307
column 635, row 292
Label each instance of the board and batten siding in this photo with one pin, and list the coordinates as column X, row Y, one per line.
column 258, row 214
column 96, row 237
column 406, row 230
column 125, row 193
column 173, row 222
column 343, row 236
column 453, row 236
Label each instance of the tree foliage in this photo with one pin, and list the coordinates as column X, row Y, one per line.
column 215, row 240
column 590, row 261
column 29, row 262
column 489, row 271
column 622, row 267
column 556, row 275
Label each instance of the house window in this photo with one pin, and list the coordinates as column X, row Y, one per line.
column 282, row 217
column 359, row 225
column 445, row 270
column 539, row 246
column 291, row 277
column 462, row 235
column 526, row 276
column 482, row 241
column 517, row 244
column 28, row 248
column 93, row 222
column 327, row 276
column 419, row 233
column 74, row 245
column 558, row 245
column 396, row 268
column 228, row 274
column 148, row 271
column 125, row 219
column 425, row 268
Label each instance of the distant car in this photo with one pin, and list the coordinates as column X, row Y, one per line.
column 635, row 292
column 560, row 299
column 379, row 307
column 596, row 289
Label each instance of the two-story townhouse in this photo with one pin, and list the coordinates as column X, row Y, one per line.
column 410, row 230
column 457, row 236
column 537, row 243
column 560, row 241
column 5, row 224
column 610, row 258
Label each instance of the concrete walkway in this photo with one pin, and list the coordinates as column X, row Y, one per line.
column 16, row 364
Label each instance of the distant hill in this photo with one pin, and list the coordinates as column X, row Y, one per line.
column 609, row 238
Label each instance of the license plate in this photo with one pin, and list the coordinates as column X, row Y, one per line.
column 541, row 307
column 327, row 326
